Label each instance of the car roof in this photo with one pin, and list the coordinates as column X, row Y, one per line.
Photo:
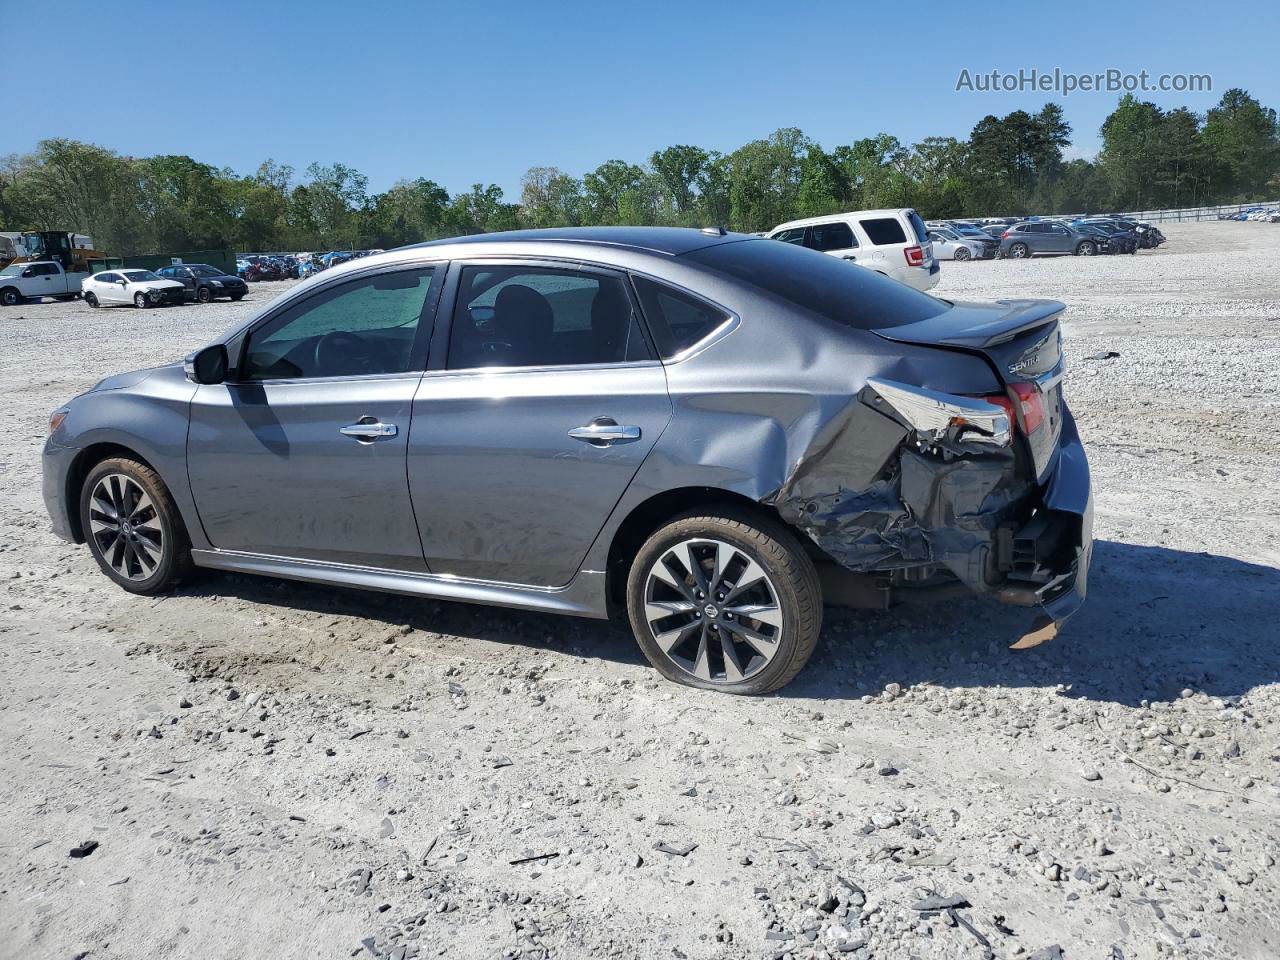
column 672, row 241
column 810, row 221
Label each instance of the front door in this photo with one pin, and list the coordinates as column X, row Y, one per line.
column 302, row 455
column 526, row 438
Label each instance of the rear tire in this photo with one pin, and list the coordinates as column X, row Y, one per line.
column 1019, row 251
column 746, row 621
column 133, row 528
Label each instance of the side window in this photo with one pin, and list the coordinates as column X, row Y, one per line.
column 884, row 230
column 166, row 272
column 108, row 278
column 46, row 270
column 677, row 320
column 364, row 327
column 794, row 235
column 831, row 236
column 511, row 316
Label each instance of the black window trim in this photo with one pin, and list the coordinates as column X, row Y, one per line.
column 238, row 343
column 438, row 357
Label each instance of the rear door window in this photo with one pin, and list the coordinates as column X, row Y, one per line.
column 511, row 316
column 831, row 236
column 678, row 320
column 884, row 230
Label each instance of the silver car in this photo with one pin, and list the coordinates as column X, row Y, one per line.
column 709, row 432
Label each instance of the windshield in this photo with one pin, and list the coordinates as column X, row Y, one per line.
column 12, row 270
column 206, row 272
column 139, row 276
column 843, row 292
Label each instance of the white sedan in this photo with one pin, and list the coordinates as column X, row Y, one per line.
column 142, row 288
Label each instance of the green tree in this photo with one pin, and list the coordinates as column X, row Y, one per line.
column 549, row 197
column 678, row 169
column 1245, row 141
column 1130, row 145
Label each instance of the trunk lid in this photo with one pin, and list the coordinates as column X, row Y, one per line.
column 1021, row 340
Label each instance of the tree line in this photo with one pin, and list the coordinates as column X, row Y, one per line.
column 1008, row 166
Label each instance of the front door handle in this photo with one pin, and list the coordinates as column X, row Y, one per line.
column 603, row 431
column 368, row 428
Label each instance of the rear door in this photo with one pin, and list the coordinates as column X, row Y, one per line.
column 543, row 399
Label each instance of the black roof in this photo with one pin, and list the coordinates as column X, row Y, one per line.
column 673, row 241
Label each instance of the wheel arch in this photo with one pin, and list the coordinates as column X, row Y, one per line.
column 85, row 461
column 659, row 509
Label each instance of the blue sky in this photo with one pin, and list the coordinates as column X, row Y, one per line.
column 470, row 92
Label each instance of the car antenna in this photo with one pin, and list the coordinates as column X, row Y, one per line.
column 715, row 231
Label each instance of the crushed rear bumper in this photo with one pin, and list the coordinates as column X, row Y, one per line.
column 911, row 519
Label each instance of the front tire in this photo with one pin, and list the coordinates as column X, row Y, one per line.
column 961, row 254
column 724, row 601
column 91, row 300
column 10, row 297
column 140, row 301
column 133, row 528
column 1086, row 249
column 204, row 294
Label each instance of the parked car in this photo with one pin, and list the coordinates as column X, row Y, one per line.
column 31, row 281
column 142, row 288
column 969, row 231
column 204, row 282
column 711, row 432
column 1125, row 241
column 1100, row 237
column 1029, row 239
column 894, row 243
column 949, row 245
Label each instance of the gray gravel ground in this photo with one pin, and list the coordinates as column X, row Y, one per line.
column 272, row 769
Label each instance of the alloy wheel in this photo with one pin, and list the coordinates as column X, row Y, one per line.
column 713, row 611
column 125, row 526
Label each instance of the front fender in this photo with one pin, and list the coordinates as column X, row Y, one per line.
column 150, row 418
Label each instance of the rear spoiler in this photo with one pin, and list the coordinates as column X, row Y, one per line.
column 976, row 325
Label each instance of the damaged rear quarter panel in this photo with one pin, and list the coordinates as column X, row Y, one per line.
column 805, row 438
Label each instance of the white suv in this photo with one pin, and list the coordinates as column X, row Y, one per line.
column 890, row 242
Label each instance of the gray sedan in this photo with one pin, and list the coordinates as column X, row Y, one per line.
column 709, row 433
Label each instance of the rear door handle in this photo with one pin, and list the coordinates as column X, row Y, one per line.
column 603, row 431
column 368, row 428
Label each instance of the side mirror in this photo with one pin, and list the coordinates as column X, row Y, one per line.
column 29, row 272
column 208, row 365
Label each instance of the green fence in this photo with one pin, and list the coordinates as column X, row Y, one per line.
column 224, row 260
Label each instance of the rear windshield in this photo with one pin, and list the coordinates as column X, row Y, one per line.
column 843, row 292
column 918, row 226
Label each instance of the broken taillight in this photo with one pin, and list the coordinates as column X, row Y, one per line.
column 915, row 256
column 1026, row 408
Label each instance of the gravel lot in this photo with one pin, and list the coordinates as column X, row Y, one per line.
column 277, row 770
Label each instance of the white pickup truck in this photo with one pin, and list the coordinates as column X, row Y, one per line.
column 30, row 281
